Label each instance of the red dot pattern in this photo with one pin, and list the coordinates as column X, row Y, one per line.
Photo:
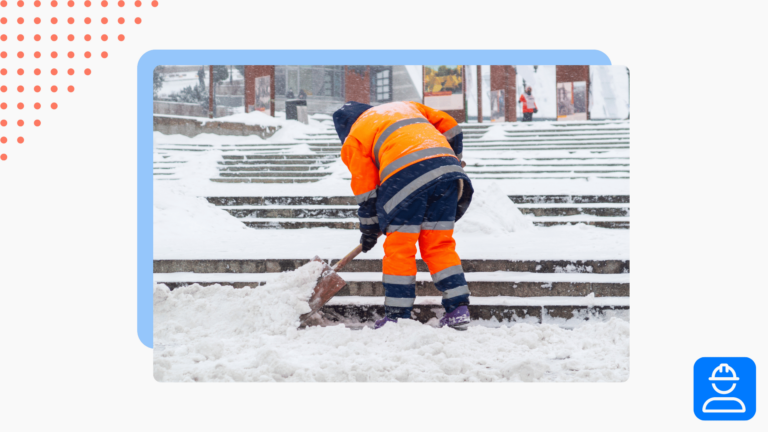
column 54, row 37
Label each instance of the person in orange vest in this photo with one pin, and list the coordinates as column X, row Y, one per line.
column 408, row 180
column 529, row 105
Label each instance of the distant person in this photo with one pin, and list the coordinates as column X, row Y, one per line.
column 529, row 104
column 290, row 94
column 302, row 94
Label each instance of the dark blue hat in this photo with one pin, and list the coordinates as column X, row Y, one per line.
column 346, row 116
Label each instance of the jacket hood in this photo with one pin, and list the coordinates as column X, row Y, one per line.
column 346, row 116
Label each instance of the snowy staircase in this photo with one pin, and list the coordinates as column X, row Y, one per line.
column 164, row 165
column 501, row 151
column 511, row 151
column 271, row 168
column 501, row 289
column 296, row 212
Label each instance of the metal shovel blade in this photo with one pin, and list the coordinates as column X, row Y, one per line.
column 327, row 286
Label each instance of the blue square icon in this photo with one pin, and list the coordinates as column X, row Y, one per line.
column 724, row 388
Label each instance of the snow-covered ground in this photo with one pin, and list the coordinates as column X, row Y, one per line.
column 219, row 333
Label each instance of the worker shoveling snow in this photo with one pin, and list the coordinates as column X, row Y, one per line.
column 219, row 333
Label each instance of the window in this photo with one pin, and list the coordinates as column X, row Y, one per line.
column 381, row 87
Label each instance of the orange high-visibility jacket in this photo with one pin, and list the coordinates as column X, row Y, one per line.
column 396, row 150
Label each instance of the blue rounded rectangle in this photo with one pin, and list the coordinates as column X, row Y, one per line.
column 155, row 58
column 724, row 388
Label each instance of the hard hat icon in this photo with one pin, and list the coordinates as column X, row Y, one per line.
column 724, row 369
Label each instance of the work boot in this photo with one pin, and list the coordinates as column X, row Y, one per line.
column 458, row 319
column 380, row 323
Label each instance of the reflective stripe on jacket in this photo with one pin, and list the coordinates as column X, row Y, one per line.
column 396, row 150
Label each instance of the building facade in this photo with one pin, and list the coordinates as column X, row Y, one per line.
column 326, row 88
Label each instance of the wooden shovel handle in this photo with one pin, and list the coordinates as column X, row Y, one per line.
column 350, row 256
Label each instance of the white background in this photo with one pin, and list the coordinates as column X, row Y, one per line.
column 70, row 353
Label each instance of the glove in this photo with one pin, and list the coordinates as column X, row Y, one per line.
column 368, row 241
column 535, row 110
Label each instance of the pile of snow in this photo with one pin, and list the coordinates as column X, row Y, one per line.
column 183, row 221
column 177, row 215
column 195, row 312
column 492, row 212
column 224, row 334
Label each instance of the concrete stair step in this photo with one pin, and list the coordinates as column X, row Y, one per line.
column 569, row 132
column 471, row 159
column 545, row 177
column 478, row 289
column 282, row 200
column 424, row 313
column 275, row 157
column 263, row 180
column 233, row 266
column 350, row 212
column 273, row 174
column 574, row 139
column 295, row 212
column 181, row 149
column 502, row 166
column 272, row 162
column 350, row 201
column 497, row 144
column 287, row 168
column 350, row 224
column 503, row 148
column 549, row 171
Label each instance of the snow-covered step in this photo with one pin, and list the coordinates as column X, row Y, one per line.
column 545, row 177
column 471, row 276
column 549, row 170
column 564, row 139
column 570, row 199
column 352, row 224
column 264, row 180
column 424, row 310
column 268, row 162
column 298, row 223
column 481, row 284
column 350, row 201
column 290, row 168
column 524, row 145
column 275, row 265
column 271, row 157
column 283, row 201
column 323, row 212
column 274, row 174
column 585, row 301
column 501, row 165
column 350, row 212
column 543, row 149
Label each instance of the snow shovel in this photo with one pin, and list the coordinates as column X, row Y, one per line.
column 329, row 283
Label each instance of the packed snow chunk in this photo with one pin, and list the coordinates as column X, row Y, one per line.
column 192, row 314
column 492, row 212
